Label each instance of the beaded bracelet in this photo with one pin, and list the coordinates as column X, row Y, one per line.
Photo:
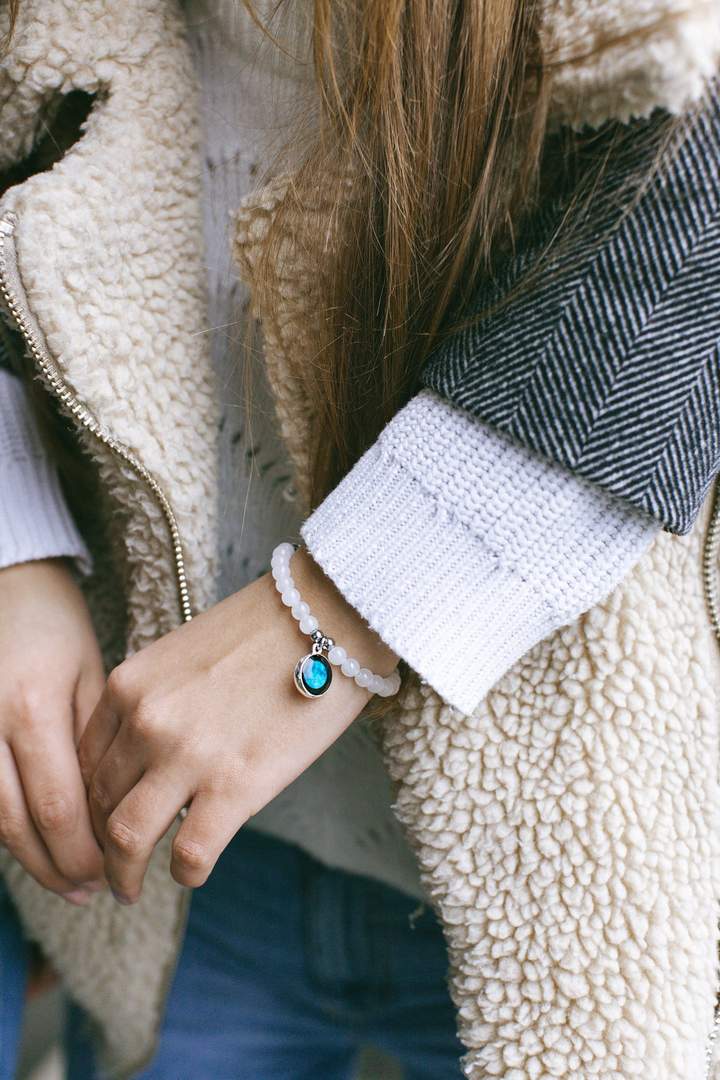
column 313, row 672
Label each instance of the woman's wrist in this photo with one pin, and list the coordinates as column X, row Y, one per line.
column 209, row 718
column 338, row 618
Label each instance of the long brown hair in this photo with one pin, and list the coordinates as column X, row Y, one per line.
column 438, row 112
column 12, row 13
column 437, row 109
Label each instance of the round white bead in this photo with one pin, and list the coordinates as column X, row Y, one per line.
column 308, row 624
column 284, row 583
column 363, row 677
column 280, row 569
column 376, row 684
column 392, row 685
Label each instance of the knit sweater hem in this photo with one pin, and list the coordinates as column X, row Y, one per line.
column 501, row 548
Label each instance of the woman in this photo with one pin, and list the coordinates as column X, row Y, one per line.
column 556, row 782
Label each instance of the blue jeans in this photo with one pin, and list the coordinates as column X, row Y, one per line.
column 14, row 962
column 288, row 968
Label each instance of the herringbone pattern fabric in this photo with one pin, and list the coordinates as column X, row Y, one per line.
column 608, row 360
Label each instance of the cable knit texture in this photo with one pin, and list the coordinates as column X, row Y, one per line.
column 569, row 829
column 35, row 522
column 463, row 549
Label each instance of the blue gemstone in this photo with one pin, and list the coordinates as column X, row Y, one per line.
column 316, row 674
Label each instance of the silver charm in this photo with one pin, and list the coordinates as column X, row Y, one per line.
column 313, row 672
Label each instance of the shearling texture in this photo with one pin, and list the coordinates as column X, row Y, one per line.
column 620, row 59
column 568, row 833
column 568, row 830
column 109, row 258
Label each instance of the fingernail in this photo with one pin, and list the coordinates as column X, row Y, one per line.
column 81, row 897
column 120, row 897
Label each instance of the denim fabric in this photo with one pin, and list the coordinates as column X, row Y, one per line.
column 14, row 960
column 289, row 967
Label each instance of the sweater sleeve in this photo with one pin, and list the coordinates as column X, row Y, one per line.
column 607, row 361
column 35, row 522
column 462, row 549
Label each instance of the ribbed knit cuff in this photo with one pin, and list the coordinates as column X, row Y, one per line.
column 35, row 522
column 462, row 549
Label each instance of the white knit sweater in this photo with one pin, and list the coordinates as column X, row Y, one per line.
column 459, row 547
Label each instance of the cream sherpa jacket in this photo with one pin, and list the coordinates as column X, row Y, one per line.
column 568, row 831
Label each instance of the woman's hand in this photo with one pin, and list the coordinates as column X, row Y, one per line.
column 209, row 716
column 51, row 676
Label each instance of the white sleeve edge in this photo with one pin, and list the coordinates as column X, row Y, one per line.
column 35, row 522
column 438, row 579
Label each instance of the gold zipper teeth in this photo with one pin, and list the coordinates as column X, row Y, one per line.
column 711, row 556
column 710, row 1045
column 711, row 553
column 80, row 413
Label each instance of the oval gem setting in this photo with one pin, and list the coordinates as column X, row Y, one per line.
column 313, row 675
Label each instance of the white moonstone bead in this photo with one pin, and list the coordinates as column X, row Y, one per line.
column 285, row 551
column 283, row 583
column 376, row 684
column 350, row 667
column 392, row 685
column 337, row 655
column 300, row 610
column 291, row 597
column 363, row 677
column 308, row 624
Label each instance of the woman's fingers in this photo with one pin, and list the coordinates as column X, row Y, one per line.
column 88, row 692
column 20, row 836
column 203, row 836
column 46, row 758
column 135, row 827
column 100, row 730
column 116, row 775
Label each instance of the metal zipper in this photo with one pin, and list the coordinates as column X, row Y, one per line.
column 711, row 1040
column 711, row 559
column 711, row 556
column 19, row 312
